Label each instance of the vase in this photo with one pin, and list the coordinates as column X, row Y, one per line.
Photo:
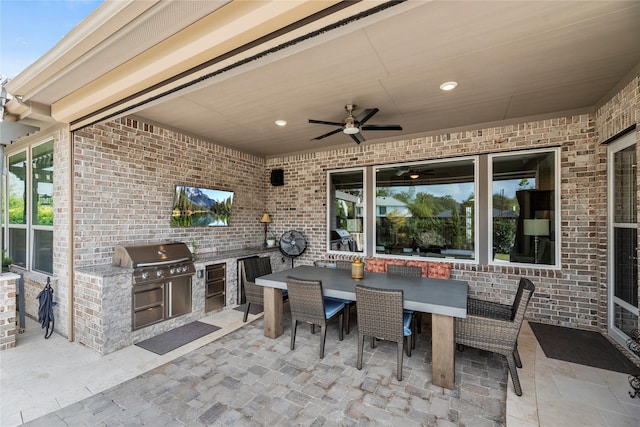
column 357, row 269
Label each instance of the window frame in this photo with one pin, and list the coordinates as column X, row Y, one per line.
column 557, row 221
column 28, row 226
column 476, row 254
column 483, row 209
column 365, row 210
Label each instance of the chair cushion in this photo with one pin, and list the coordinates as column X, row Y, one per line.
column 344, row 301
column 376, row 265
column 439, row 270
column 332, row 307
column 406, row 320
column 379, row 265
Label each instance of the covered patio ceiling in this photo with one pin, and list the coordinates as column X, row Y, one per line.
column 513, row 61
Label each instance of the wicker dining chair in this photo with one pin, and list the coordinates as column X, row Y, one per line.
column 408, row 271
column 495, row 327
column 380, row 315
column 251, row 268
column 345, row 265
column 404, row 270
column 307, row 304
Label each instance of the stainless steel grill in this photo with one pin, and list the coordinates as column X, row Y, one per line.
column 155, row 261
column 342, row 240
column 161, row 280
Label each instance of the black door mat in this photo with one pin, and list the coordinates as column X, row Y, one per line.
column 253, row 308
column 170, row 340
column 582, row 347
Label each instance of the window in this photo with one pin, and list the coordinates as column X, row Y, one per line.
column 426, row 209
column 491, row 208
column 346, row 211
column 523, row 205
column 30, row 208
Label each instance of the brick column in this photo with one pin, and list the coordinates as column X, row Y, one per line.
column 8, row 310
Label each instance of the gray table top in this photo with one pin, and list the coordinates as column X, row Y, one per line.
column 439, row 296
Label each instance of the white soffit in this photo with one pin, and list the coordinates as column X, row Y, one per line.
column 144, row 31
column 160, row 68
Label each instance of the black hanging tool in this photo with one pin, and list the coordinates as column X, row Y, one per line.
column 45, row 311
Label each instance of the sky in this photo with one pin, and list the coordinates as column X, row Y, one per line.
column 30, row 28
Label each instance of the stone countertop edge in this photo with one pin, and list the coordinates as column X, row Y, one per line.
column 105, row 270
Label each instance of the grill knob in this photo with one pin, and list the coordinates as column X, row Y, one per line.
column 145, row 275
column 159, row 273
column 172, row 270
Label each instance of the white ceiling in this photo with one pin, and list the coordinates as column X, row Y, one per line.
column 511, row 59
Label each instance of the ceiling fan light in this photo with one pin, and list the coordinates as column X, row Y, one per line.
column 414, row 175
column 350, row 129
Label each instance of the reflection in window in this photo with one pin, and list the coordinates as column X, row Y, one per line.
column 42, row 185
column 42, row 207
column 17, row 208
column 523, row 208
column 346, row 211
column 426, row 209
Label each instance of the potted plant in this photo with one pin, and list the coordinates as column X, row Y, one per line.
column 6, row 261
column 271, row 239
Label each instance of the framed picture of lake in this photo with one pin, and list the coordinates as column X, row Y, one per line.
column 201, row 207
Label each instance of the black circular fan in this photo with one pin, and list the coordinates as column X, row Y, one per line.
column 292, row 244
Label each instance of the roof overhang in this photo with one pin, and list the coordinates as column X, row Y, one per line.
column 228, row 33
column 11, row 131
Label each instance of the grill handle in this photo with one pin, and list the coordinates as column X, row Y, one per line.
column 158, row 263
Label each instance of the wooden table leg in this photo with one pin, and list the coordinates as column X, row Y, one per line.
column 272, row 312
column 443, row 351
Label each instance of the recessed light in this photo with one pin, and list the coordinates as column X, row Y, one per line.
column 448, row 85
column 281, row 122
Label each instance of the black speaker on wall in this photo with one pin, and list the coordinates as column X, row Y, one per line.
column 277, row 177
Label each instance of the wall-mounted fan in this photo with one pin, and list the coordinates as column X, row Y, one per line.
column 352, row 125
column 292, row 244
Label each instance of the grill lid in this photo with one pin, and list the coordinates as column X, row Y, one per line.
column 151, row 255
column 340, row 234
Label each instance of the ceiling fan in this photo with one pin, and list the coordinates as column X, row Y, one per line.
column 412, row 173
column 352, row 125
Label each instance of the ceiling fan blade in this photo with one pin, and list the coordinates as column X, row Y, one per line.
column 366, row 115
column 327, row 134
column 381, row 127
column 357, row 137
column 402, row 171
column 323, row 122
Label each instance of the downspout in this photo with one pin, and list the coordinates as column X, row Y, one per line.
column 70, row 233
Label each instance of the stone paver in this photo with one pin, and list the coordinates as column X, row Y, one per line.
column 245, row 379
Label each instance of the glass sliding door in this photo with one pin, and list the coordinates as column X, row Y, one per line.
column 622, row 238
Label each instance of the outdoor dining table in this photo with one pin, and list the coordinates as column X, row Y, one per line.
column 444, row 299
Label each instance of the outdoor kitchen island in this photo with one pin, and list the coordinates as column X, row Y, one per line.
column 103, row 298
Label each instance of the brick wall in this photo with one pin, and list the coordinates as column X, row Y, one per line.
column 7, row 311
column 618, row 114
column 569, row 296
column 126, row 172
